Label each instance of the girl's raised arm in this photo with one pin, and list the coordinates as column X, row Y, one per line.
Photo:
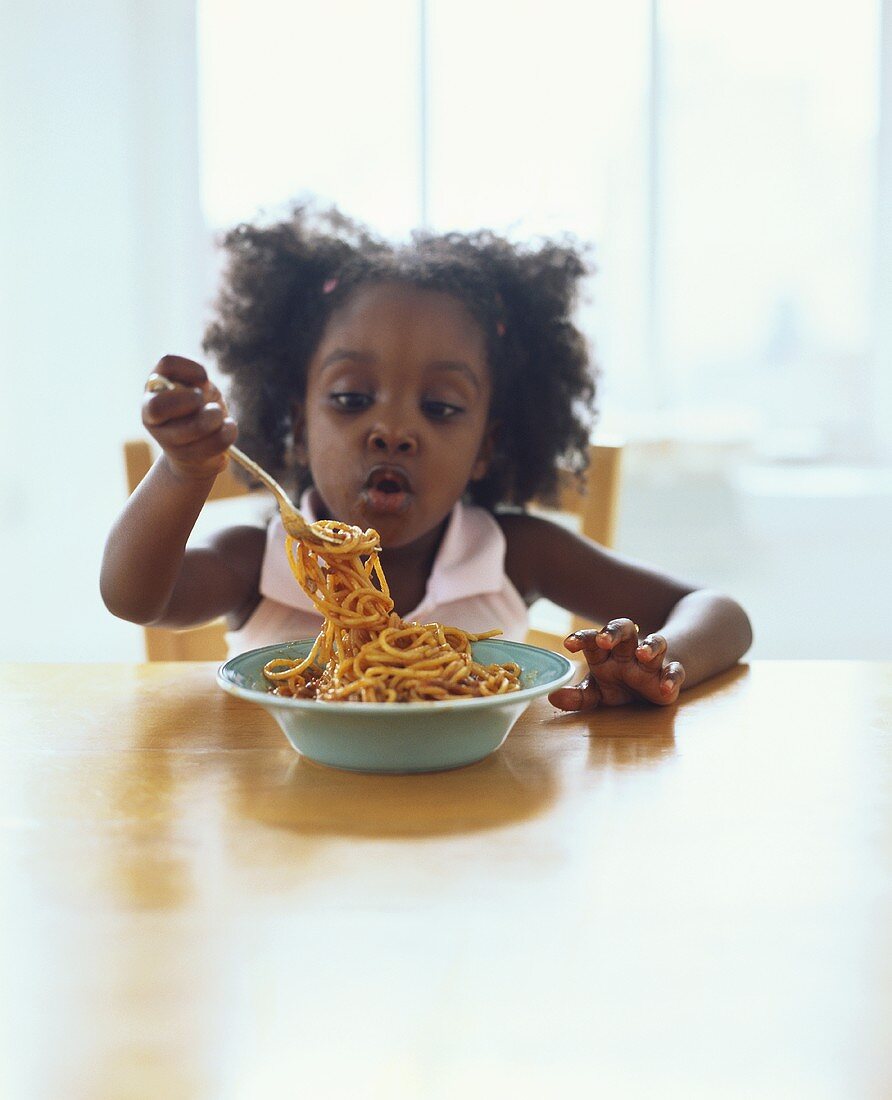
column 147, row 574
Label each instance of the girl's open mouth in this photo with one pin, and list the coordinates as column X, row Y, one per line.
column 387, row 490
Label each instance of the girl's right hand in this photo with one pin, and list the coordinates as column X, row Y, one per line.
column 191, row 423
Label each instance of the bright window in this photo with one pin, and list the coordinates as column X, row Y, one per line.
column 310, row 99
column 766, row 213
column 720, row 157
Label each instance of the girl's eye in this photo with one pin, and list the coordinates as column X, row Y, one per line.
column 440, row 410
column 350, row 401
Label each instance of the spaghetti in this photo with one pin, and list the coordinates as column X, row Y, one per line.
column 365, row 652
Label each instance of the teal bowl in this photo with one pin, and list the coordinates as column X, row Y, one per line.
column 398, row 737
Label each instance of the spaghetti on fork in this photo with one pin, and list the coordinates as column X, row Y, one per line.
column 365, row 652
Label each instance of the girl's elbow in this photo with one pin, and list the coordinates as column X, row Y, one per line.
column 121, row 604
column 122, row 610
column 727, row 619
column 746, row 631
column 739, row 623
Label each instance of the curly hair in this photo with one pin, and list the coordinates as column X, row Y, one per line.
column 284, row 280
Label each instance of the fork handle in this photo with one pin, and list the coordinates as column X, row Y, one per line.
column 295, row 523
column 267, row 479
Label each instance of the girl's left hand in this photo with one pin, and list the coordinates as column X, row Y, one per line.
column 621, row 669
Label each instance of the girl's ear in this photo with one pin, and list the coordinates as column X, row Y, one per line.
column 487, row 449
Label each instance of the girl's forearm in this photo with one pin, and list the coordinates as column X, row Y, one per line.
column 145, row 548
column 707, row 632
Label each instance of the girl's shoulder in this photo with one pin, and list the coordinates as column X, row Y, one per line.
column 533, row 546
column 521, row 526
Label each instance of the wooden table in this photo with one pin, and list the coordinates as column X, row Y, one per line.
column 688, row 903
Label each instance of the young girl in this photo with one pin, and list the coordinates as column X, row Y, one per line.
column 429, row 391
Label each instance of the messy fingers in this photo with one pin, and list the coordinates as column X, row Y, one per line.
column 651, row 650
column 581, row 696
column 619, row 638
column 585, row 641
column 671, row 679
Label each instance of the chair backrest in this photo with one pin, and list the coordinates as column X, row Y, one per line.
column 595, row 507
column 596, row 500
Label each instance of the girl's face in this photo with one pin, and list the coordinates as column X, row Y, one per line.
column 396, row 418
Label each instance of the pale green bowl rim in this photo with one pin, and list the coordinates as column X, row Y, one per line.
column 563, row 671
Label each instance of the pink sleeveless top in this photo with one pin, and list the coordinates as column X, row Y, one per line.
column 468, row 586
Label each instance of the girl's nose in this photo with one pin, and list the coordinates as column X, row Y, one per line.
column 384, row 441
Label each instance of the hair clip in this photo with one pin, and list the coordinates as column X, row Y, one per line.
column 329, row 285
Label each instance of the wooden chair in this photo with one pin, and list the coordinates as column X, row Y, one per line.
column 593, row 508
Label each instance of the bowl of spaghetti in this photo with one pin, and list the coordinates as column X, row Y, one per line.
column 449, row 730
column 374, row 693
